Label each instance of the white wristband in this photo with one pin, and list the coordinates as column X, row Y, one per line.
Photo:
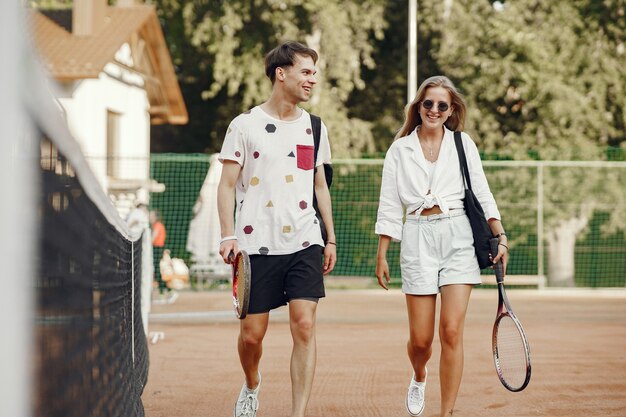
column 224, row 239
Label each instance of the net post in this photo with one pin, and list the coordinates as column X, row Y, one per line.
column 18, row 220
column 132, row 299
column 540, row 202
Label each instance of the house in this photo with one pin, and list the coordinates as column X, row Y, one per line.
column 116, row 79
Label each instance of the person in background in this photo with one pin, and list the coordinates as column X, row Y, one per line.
column 422, row 180
column 158, row 245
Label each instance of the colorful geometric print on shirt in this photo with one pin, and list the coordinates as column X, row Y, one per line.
column 274, row 214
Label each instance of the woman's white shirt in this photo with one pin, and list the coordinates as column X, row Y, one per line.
column 405, row 183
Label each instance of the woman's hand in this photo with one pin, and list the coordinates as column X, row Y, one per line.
column 382, row 272
column 503, row 254
column 503, row 243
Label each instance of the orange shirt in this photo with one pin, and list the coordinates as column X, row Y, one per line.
column 158, row 234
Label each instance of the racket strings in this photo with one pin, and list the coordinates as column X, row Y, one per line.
column 511, row 353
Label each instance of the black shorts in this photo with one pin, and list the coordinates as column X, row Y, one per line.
column 278, row 279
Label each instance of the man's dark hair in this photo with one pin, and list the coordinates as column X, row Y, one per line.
column 285, row 56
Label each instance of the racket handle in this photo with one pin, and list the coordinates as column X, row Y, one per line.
column 231, row 257
column 494, row 242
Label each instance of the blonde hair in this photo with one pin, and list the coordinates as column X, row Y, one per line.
column 412, row 119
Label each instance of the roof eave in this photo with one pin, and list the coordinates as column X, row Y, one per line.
column 176, row 108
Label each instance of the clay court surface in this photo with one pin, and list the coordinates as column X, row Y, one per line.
column 578, row 348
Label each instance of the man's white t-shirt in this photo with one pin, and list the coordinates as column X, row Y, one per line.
column 274, row 208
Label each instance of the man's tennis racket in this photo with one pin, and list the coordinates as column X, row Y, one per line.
column 241, row 282
column 511, row 353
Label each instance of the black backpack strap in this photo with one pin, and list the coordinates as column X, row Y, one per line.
column 462, row 159
column 316, row 125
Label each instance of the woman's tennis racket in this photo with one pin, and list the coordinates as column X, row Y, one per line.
column 511, row 353
column 241, row 282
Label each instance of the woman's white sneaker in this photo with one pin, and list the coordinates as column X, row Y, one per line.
column 415, row 396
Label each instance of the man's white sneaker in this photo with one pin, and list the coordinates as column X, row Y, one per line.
column 415, row 396
column 248, row 402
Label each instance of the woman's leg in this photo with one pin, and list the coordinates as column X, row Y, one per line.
column 421, row 310
column 454, row 301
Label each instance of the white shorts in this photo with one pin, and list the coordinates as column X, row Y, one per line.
column 437, row 250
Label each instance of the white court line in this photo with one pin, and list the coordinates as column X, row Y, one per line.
column 199, row 315
column 193, row 315
column 606, row 292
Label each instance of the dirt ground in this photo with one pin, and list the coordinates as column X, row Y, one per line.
column 578, row 348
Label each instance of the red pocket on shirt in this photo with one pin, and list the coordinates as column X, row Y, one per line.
column 306, row 156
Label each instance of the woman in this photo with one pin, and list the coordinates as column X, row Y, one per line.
column 422, row 182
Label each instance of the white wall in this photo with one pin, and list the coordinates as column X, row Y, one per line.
column 121, row 91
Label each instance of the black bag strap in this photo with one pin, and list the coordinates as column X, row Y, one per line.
column 462, row 159
column 316, row 125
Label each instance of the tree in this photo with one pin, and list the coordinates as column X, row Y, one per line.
column 543, row 77
column 539, row 76
column 219, row 49
column 383, row 100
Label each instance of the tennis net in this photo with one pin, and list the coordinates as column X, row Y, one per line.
column 91, row 355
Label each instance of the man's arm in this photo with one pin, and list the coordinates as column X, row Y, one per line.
column 326, row 211
column 226, row 206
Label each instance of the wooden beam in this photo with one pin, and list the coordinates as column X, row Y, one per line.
column 88, row 16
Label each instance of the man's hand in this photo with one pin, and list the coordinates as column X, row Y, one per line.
column 330, row 258
column 226, row 248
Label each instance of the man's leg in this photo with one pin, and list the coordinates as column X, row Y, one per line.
column 250, row 345
column 304, row 355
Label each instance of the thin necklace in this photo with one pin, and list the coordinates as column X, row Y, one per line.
column 430, row 148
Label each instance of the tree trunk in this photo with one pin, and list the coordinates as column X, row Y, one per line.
column 561, row 245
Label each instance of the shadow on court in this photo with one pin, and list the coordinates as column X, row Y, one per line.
column 577, row 338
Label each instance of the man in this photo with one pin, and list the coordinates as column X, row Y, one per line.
column 268, row 179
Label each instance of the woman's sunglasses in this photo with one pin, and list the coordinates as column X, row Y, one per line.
column 441, row 106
